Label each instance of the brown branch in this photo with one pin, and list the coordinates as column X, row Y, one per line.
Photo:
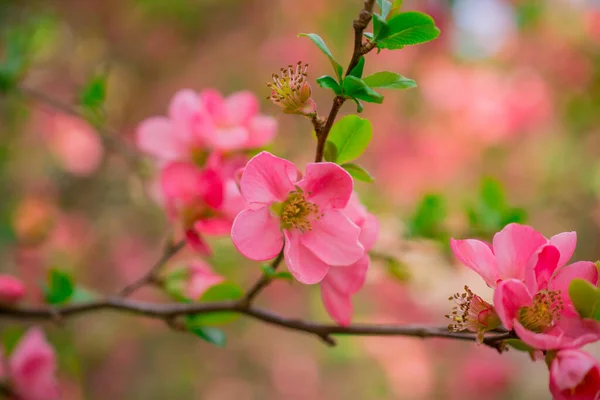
column 168, row 312
column 360, row 24
column 263, row 282
column 151, row 275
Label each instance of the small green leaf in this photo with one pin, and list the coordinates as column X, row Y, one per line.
column 428, row 219
column 359, row 106
column 175, row 284
column 358, row 172
column 60, row 287
column 82, row 295
column 328, row 82
column 585, row 298
column 316, row 39
column 284, row 275
column 519, row 345
column 492, row 194
column 409, row 28
column 385, row 6
column 210, row 334
column 389, row 80
column 351, row 136
column 331, row 152
column 221, row 292
column 93, row 94
column 381, row 30
column 357, row 88
column 357, row 71
column 268, row 271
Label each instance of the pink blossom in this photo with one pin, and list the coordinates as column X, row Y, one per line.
column 201, row 278
column 32, row 367
column 574, row 375
column 11, row 289
column 341, row 282
column 199, row 122
column 306, row 211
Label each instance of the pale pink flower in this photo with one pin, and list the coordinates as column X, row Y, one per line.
column 201, row 278
column 11, row 289
column 200, row 122
column 306, row 211
column 292, row 92
column 574, row 375
column 32, row 367
column 342, row 282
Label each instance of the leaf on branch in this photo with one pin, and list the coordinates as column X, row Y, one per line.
column 428, row 219
column 585, row 298
column 221, row 292
column 357, row 71
column 328, row 82
column 351, row 136
column 60, row 287
column 389, row 80
column 409, row 28
column 316, row 39
column 93, row 93
column 330, row 153
column 356, row 88
column 207, row 333
column 381, row 30
column 385, row 6
column 358, row 172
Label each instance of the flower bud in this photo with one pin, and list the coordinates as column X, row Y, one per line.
column 473, row 314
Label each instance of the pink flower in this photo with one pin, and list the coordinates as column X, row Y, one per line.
column 193, row 197
column 306, row 211
column 11, row 289
column 574, row 375
column 198, row 122
column 341, row 282
column 201, row 278
column 32, row 367
column 291, row 91
column 473, row 314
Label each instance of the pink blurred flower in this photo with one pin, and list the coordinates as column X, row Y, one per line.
column 193, row 197
column 198, row 122
column 32, row 367
column 341, row 282
column 11, row 289
column 306, row 211
column 76, row 146
column 201, row 278
column 574, row 375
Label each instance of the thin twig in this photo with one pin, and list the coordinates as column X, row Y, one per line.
column 150, row 275
column 263, row 281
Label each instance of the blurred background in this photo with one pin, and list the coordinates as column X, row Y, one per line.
column 503, row 126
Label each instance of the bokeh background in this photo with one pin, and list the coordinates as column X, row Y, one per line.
column 503, row 126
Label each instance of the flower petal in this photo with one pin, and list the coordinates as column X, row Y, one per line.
column 478, row 256
column 227, row 138
column 262, row 131
column 547, row 262
column 513, row 247
column 241, row 107
column 338, row 305
column 155, row 136
column 582, row 269
column 327, row 185
column 369, row 232
column 569, row 369
column 349, row 279
column 306, row 267
column 267, row 179
column 510, row 295
column 185, row 110
column 214, row 226
column 256, row 234
column 197, row 243
column 334, row 239
column 565, row 243
column 541, row 341
column 214, row 103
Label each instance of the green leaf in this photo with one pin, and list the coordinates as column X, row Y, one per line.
column 357, row 71
column 381, row 30
column 221, row 292
column 359, row 106
column 284, row 275
column 82, row 295
column 60, row 287
column 93, row 94
column 409, row 28
column 268, row 271
column 428, row 219
column 175, row 284
column 210, row 334
column 331, row 152
column 351, row 136
column 328, row 82
column 385, row 6
column 519, row 345
column 316, row 39
column 389, row 80
column 492, row 194
column 397, row 270
column 357, row 88
column 585, row 298
column 358, row 172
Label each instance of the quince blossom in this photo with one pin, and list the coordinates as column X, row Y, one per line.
column 574, row 375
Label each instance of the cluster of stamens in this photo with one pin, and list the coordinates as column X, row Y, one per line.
column 544, row 311
column 473, row 314
column 461, row 311
column 298, row 213
column 291, row 90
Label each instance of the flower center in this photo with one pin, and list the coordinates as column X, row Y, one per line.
column 297, row 212
column 472, row 313
column 290, row 90
column 543, row 312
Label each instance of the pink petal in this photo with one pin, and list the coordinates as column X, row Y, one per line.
column 578, row 331
column 241, row 107
column 267, row 179
column 582, row 269
column 513, row 247
column 302, row 263
column 214, row 226
column 197, row 243
column 327, row 185
column 349, row 279
column 202, row 277
column 547, row 262
column 256, row 234
column 478, row 256
column 213, row 103
column 11, row 289
column 338, row 305
column 565, row 243
column 225, row 139
column 186, row 183
column 541, row 341
column 262, row 131
column 510, row 295
column 155, row 136
column 570, row 368
column 184, row 111
column 369, row 232
column 210, row 188
column 334, row 239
